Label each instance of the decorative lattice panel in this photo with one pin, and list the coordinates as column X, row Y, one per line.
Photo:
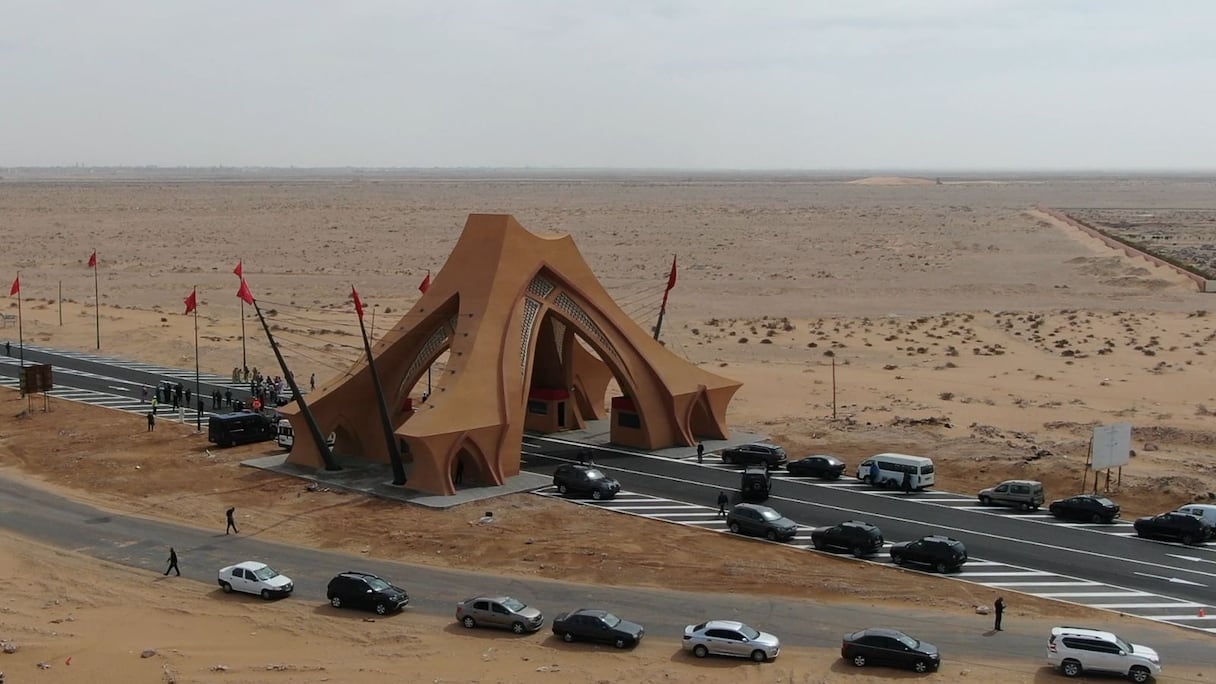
column 531, row 310
column 437, row 341
column 559, row 337
column 540, row 286
column 576, row 313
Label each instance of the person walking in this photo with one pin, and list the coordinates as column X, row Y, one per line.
column 312, row 382
column 231, row 514
column 155, row 404
column 907, row 483
column 998, row 611
column 8, row 348
column 722, row 501
column 700, row 452
column 228, row 398
column 143, row 395
column 172, row 563
column 151, row 422
column 187, row 396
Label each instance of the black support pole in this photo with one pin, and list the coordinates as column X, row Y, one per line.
column 394, row 451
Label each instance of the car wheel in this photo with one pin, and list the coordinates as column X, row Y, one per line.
column 335, row 601
column 700, row 651
column 381, row 609
column 859, row 660
column 818, row 544
column 898, row 560
column 468, row 622
column 857, row 552
column 920, row 666
column 734, row 527
column 985, row 501
column 771, row 535
column 266, row 594
column 620, row 643
column 1139, row 674
column 1024, row 506
column 1187, row 539
column 561, row 489
column 1070, row 668
column 567, row 637
column 517, row 627
column 865, row 479
column 941, row 567
column 597, row 494
column 727, row 458
column 1096, row 519
column 759, row 656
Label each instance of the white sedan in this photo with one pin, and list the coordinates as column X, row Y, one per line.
column 253, row 577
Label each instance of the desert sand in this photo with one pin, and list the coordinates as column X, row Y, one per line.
column 962, row 324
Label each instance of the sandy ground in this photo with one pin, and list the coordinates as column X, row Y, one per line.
column 961, row 324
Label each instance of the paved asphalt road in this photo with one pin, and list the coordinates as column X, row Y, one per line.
column 144, row 543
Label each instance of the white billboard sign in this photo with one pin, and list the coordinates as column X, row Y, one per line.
column 1111, row 447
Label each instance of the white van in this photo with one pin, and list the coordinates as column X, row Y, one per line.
column 1205, row 512
column 287, row 436
column 892, row 467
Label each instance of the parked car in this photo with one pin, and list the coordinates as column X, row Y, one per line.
column 1077, row 650
column 576, row 478
column 879, row 646
column 755, row 483
column 597, row 625
column 730, row 638
column 503, row 612
column 770, row 455
column 1096, row 509
column 253, row 577
column 1024, row 494
column 1205, row 512
column 858, row 538
column 760, row 521
column 364, row 590
column 1180, row 526
column 943, row 554
column 823, row 467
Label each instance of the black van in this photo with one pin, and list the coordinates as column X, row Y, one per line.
column 242, row 427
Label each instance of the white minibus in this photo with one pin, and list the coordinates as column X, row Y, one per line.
column 891, row 470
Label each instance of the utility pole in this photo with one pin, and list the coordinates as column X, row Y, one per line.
column 833, row 387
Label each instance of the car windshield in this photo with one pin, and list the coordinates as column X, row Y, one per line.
column 594, row 475
column 265, row 572
column 1104, row 501
column 611, row 620
column 513, row 605
column 1124, row 646
column 378, row 584
column 908, row 641
column 749, row 633
column 769, row 514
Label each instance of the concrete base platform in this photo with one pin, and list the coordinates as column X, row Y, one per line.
column 376, row 479
column 596, row 435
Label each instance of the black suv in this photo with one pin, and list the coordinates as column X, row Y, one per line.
column 858, row 538
column 1096, row 509
column 572, row 478
column 755, row 483
column 941, row 553
column 770, row 455
column 367, row 591
column 760, row 521
column 1185, row 528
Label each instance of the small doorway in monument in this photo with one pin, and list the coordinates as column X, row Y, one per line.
column 465, row 471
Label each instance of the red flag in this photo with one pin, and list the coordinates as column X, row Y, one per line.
column 240, row 269
column 425, row 284
column 671, row 278
column 354, row 294
column 16, row 287
column 192, row 301
column 93, row 259
column 245, row 293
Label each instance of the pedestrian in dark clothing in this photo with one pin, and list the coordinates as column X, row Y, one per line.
column 998, row 609
column 8, row 348
column 177, row 401
column 231, row 513
column 700, row 452
column 151, row 422
column 187, row 396
column 312, row 381
column 172, row 563
column 228, row 398
column 722, row 501
column 459, row 472
column 907, row 484
column 143, row 394
column 164, row 393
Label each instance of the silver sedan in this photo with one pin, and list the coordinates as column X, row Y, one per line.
column 727, row 637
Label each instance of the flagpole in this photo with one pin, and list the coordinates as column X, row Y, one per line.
column 244, row 359
column 198, row 413
column 20, row 336
column 394, row 451
column 663, row 308
column 60, row 303
column 97, row 297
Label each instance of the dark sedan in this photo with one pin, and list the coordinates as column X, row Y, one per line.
column 1089, row 507
column 877, row 646
column 1175, row 527
column 597, row 625
column 823, row 467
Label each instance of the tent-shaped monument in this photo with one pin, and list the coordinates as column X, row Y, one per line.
column 513, row 310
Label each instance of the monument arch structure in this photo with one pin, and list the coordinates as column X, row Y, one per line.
column 533, row 342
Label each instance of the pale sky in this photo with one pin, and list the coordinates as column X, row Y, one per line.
column 706, row 84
